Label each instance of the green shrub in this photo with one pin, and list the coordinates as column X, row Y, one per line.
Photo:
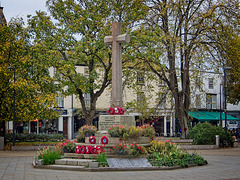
column 205, row 134
column 50, row 154
column 169, row 154
column 34, row 137
column 102, row 159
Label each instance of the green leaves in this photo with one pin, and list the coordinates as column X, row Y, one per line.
column 34, row 88
column 205, row 133
column 72, row 37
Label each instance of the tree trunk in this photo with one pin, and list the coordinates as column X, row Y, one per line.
column 89, row 117
column 181, row 115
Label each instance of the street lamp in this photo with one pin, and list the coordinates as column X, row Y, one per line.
column 72, row 119
column 220, row 123
column 14, row 112
column 225, row 98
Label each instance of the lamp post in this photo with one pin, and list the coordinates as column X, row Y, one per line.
column 225, row 98
column 14, row 112
column 220, row 123
column 72, row 119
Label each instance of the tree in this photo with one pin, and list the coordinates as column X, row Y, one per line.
column 234, row 62
column 229, row 47
column 175, row 38
column 141, row 83
column 73, row 35
column 33, row 86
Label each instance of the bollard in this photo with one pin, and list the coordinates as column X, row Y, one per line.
column 217, row 140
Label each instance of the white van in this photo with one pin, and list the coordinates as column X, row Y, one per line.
column 232, row 125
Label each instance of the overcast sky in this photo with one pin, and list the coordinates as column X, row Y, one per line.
column 21, row 8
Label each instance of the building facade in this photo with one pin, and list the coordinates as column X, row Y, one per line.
column 208, row 99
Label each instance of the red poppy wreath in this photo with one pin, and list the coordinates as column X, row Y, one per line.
column 92, row 140
column 104, row 140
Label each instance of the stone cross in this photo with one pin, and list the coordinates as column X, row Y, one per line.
column 116, row 40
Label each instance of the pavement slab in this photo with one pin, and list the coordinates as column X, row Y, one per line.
column 224, row 164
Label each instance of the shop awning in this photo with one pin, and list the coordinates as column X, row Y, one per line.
column 210, row 116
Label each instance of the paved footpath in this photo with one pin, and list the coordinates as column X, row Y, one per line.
column 223, row 164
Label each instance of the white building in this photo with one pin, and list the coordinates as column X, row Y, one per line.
column 70, row 119
column 208, row 100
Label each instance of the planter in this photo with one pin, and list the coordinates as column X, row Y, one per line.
column 82, row 140
column 115, row 135
column 88, row 134
column 67, row 151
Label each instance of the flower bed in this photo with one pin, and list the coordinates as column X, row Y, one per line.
column 68, row 146
column 132, row 132
column 86, row 131
column 169, row 154
column 131, row 149
column 49, row 154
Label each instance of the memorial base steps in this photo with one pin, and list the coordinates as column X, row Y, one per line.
column 112, row 141
column 73, row 162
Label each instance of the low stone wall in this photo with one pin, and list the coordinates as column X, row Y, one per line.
column 26, row 148
column 198, row 147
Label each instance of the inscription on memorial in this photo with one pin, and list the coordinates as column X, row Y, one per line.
column 106, row 121
column 128, row 163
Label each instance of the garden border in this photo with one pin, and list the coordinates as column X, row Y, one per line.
column 107, row 169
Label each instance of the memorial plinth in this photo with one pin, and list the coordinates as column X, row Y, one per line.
column 106, row 121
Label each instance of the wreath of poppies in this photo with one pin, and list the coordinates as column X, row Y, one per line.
column 121, row 111
column 82, row 149
column 104, row 140
column 88, row 149
column 111, row 111
column 116, row 110
column 77, row 149
column 94, row 150
column 92, row 140
column 99, row 149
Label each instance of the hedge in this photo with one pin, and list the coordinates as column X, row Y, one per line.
column 34, row 137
